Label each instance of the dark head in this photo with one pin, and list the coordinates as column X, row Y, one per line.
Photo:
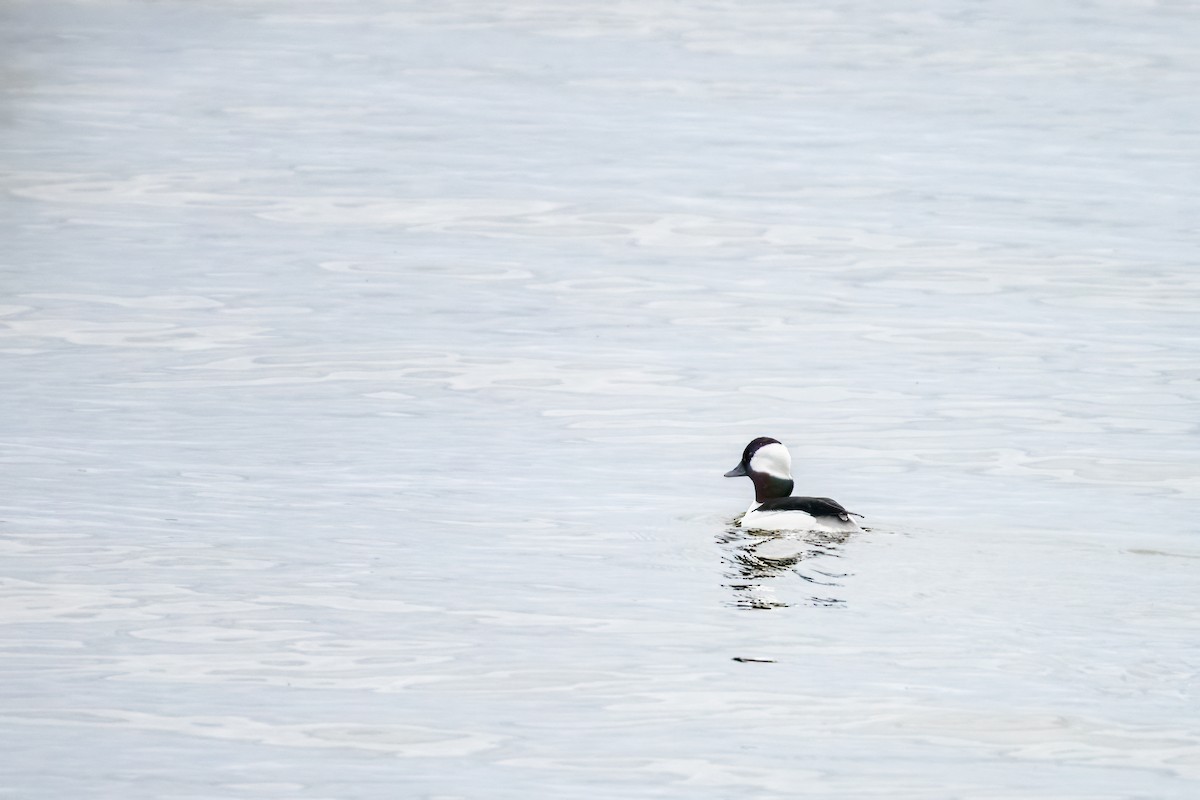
column 766, row 462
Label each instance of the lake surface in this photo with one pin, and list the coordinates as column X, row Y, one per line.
column 370, row 370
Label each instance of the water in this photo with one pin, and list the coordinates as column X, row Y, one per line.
column 370, row 370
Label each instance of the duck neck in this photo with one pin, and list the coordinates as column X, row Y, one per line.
column 768, row 486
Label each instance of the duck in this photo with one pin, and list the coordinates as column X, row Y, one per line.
column 767, row 463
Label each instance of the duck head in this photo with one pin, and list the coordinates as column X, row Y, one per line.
column 768, row 463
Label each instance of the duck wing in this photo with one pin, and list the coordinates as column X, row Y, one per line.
column 813, row 506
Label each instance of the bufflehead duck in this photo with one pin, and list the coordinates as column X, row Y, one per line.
column 767, row 462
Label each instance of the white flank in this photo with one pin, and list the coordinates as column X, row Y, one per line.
column 794, row 521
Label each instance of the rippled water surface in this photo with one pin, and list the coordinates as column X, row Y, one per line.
column 370, row 370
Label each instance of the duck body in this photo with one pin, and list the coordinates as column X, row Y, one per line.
column 769, row 465
column 800, row 514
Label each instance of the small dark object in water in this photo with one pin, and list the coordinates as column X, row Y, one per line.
column 754, row 660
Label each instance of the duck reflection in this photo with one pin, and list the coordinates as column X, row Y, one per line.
column 756, row 561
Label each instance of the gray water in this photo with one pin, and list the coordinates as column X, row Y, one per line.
column 370, row 370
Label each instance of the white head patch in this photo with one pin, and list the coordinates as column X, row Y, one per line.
column 772, row 459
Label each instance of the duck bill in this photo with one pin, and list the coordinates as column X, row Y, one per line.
column 737, row 472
